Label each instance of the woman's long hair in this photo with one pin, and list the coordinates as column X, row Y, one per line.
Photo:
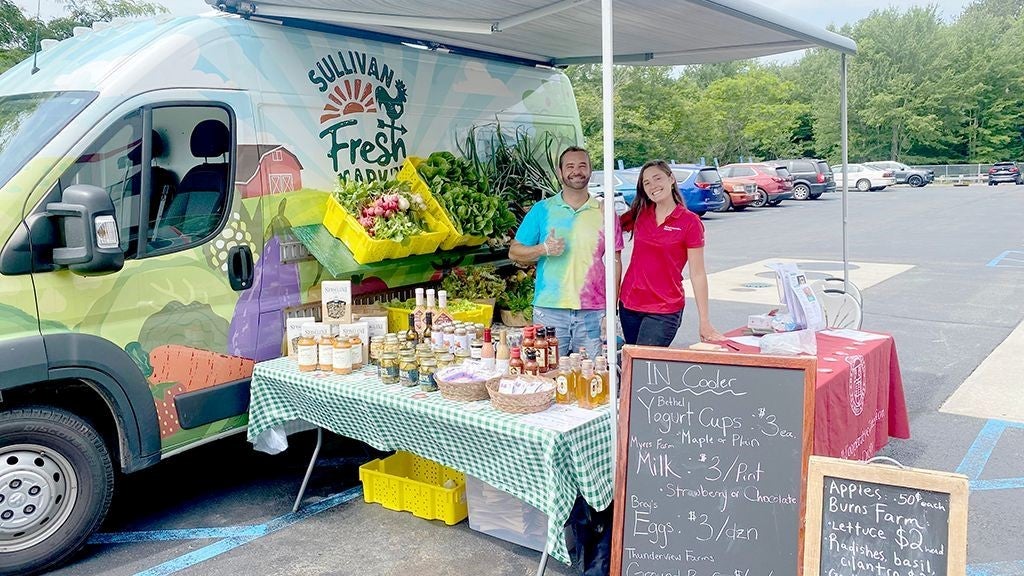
column 642, row 201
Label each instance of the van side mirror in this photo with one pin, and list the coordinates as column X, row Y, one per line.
column 88, row 235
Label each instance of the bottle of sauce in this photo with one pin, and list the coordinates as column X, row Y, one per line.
column 502, row 355
column 325, row 353
column 515, row 364
column 419, row 312
column 443, row 317
column 528, row 340
column 589, row 385
column 540, row 348
column 564, row 394
column 431, row 308
column 342, row 356
column 554, row 360
column 530, row 366
column 410, row 334
column 487, row 354
column 427, row 334
column 601, row 369
column 306, row 351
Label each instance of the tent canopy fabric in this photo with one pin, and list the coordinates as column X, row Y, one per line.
column 563, row 32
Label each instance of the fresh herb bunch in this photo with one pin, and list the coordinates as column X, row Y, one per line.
column 455, row 306
column 463, row 191
column 520, row 168
column 518, row 294
column 386, row 210
column 474, row 283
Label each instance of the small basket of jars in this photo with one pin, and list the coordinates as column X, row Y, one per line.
column 466, row 382
column 522, row 393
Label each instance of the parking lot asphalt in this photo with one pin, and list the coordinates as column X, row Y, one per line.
column 225, row 509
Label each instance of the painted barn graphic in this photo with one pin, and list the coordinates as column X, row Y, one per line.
column 267, row 169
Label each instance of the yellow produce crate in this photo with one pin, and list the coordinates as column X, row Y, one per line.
column 398, row 318
column 454, row 239
column 366, row 249
column 407, row 483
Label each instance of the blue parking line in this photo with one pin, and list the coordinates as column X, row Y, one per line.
column 220, row 547
column 997, row 569
column 1019, row 260
column 978, row 454
column 999, row 484
column 182, row 534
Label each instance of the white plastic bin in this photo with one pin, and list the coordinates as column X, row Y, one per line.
column 501, row 515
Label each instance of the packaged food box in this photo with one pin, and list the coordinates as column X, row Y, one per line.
column 336, row 299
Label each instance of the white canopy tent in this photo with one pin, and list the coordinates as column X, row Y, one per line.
column 564, row 32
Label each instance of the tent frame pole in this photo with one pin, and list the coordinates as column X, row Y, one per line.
column 845, row 147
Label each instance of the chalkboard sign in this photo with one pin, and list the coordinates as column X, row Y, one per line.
column 712, row 459
column 876, row 519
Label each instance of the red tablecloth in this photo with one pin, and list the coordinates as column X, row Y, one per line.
column 859, row 399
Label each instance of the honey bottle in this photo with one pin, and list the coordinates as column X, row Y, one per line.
column 574, row 375
column 601, row 369
column 515, row 365
column 306, row 351
column 564, row 394
column 589, row 386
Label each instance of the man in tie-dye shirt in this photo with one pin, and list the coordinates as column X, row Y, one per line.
column 564, row 235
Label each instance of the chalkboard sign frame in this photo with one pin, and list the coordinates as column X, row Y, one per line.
column 955, row 485
column 807, row 364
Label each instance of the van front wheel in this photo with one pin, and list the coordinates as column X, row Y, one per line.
column 56, row 483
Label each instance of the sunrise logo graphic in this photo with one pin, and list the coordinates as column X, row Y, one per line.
column 349, row 97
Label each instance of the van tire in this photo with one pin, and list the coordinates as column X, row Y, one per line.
column 56, row 463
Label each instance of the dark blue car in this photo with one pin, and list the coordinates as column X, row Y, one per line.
column 700, row 186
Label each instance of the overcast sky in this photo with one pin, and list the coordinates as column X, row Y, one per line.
column 820, row 12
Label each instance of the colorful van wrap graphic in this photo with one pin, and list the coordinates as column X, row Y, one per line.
column 307, row 107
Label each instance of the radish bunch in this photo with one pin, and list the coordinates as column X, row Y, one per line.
column 385, row 210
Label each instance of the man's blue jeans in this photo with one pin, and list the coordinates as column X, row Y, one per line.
column 574, row 328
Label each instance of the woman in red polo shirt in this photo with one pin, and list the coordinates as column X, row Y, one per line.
column 665, row 237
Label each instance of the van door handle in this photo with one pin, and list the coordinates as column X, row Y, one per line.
column 240, row 268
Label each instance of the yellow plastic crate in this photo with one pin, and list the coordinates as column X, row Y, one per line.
column 398, row 318
column 366, row 250
column 454, row 239
column 407, row 483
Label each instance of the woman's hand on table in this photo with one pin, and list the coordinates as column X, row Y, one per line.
column 708, row 333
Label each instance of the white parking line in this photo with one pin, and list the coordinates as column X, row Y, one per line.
column 993, row 390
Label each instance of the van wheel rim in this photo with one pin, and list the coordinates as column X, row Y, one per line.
column 38, row 492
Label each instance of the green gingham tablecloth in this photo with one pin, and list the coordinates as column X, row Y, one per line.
column 545, row 468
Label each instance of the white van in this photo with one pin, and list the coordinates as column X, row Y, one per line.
column 156, row 181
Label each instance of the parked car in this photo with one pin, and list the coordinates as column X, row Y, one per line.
column 700, row 186
column 904, row 174
column 1004, row 172
column 811, row 177
column 866, row 178
column 625, row 188
column 773, row 187
column 740, row 193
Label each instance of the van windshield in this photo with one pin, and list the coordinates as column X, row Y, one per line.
column 29, row 121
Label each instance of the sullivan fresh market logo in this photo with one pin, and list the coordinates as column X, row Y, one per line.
column 359, row 89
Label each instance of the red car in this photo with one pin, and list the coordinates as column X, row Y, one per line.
column 774, row 187
column 739, row 193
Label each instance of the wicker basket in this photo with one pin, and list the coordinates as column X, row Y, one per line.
column 465, row 391
column 522, row 403
column 513, row 319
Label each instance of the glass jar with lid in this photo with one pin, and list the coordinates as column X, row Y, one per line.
column 408, row 369
column 427, row 369
column 389, row 368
